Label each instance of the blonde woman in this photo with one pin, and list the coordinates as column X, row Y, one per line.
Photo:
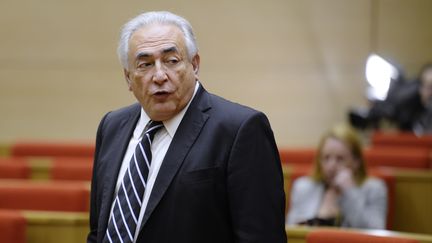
column 339, row 192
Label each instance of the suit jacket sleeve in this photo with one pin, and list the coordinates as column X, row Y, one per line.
column 92, row 236
column 255, row 184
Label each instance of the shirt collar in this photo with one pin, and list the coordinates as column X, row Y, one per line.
column 170, row 125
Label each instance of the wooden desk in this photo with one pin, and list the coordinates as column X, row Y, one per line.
column 413, row 201
column 4, row 149
column 52, row 227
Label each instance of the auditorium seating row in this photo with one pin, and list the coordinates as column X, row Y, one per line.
column 56, row 168
column 86, row 149
column 80, row 168
column 410, row 196
column 48, row 149
column 395, row 156
column 40, row 171
column 43, row 211
column 302, row 234
column 400, row 139
column 17, row 226
column 63, row 196
column 404, row 150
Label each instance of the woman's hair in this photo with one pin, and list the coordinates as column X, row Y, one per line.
column 351, row 139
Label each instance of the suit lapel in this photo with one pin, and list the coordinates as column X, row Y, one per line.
column 115, row 155
column 185, row 136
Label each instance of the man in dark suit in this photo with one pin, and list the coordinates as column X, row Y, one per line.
column 214, row 173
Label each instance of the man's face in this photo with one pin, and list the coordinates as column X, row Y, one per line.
column 426, row 88
column 160, row 74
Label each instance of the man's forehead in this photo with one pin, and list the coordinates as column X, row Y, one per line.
column 156, row 38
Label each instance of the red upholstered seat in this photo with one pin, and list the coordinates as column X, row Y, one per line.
column 342, row 236
column 50, row 195
column 402, row 157
column 297, row 155
column 74, row 149
column 14, row 168
column 72, row 169
column 12, row 227
column 403, row 139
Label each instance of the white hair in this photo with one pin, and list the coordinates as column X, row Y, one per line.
column 161, row 17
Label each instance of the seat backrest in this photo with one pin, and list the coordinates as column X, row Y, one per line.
column 297, row 155
column 71, row 169
column 342, row 236
column 14, row 168
column 418, row 158
column 12, row 227
column 48, row 195
column 403, row 139
column 73, row 149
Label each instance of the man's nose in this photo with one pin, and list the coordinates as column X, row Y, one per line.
column 159, row 75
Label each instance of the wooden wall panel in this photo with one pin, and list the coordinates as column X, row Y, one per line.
column 301, row 62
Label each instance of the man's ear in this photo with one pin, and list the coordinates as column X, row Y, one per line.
column 127, row 78
column 196, row 64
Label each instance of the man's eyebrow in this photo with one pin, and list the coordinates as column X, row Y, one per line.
column 164, row 51
column 170, row 49
column 143, row 55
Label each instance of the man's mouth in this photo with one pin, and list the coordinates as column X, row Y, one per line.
column 162, row 94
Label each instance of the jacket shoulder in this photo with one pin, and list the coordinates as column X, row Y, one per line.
column 231, row 111
column 115, row 118
column 124, row 111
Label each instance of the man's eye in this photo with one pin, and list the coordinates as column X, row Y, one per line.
column 173, row 61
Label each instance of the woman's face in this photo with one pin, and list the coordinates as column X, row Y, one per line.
column 335, row 156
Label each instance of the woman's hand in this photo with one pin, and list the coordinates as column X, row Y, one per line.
column 344, row 179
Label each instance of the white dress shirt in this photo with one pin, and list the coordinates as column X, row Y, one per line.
column 159, row 147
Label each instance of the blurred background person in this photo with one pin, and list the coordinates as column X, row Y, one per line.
column 408, row 106
column 339, row 192
column 422, row 118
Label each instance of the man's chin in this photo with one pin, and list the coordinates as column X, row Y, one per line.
column 162, row 114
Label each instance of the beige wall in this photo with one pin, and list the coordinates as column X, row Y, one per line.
column 301, row 62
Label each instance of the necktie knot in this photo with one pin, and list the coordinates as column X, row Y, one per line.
column 151, row 128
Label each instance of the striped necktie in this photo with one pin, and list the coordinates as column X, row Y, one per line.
column 127, row 204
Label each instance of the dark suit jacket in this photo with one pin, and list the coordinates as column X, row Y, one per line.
column 220, row 180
